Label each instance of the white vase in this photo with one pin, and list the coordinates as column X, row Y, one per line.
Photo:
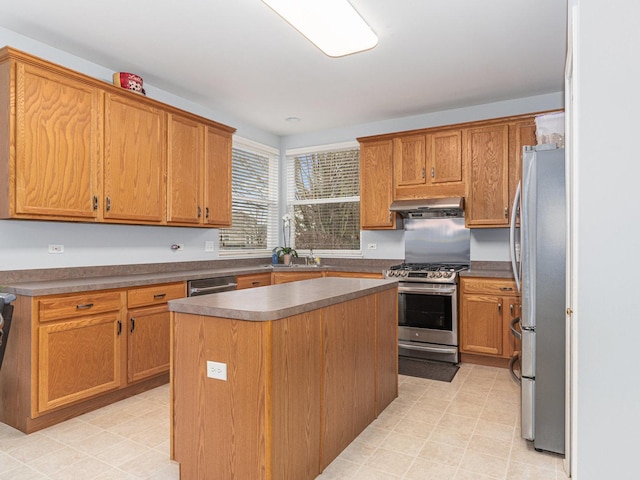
column 286, row 259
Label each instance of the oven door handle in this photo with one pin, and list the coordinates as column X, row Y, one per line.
column 444, row 291
column 421, row 348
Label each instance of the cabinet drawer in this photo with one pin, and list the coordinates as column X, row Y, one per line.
column 155, row 294
column 254, row 280
column 70, row 306
column 489, row 286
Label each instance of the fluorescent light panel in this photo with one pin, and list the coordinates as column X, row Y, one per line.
column 333, row 26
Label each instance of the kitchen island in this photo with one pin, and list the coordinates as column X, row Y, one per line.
column 274, row 382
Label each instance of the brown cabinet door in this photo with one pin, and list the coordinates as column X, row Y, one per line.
column 445, row 157
column 520, row 134
column 134, row 161
column 376, row 185
column 488, row 154
column 184, row 170
column 148, row 342
column 217, row 178
column 514, row 310
column 409, row 160
column 481, row 328
column 285, row 277
column 78, row 359
column 57, row 144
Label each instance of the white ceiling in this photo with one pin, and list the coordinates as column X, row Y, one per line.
column 240, row 58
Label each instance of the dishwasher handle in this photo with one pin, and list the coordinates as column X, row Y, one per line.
column 217, row 288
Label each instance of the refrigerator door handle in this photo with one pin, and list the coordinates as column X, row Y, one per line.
column 512, row 367
column 512, row 326
column 512, row 236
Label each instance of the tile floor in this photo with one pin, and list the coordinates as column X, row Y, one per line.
column 463, row 430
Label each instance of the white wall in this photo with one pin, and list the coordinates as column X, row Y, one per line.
column 608, row 219
column 23, row 244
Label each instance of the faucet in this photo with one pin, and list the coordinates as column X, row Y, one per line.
column 311, row 260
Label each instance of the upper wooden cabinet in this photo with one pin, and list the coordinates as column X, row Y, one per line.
column 376, row 185
column 487, row 150
column 56, row 130
column 78, row 149
column 429, row 165
column 134, row 160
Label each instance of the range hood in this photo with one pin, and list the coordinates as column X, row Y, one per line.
column 450, row 207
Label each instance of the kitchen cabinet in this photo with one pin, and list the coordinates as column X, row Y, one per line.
column 54, row 127
column 487, row 152
column 285, row 277
column 521, row 133
column 74, row 148
column 253, row 280
column 198, row 173
column 148, row 335
column 134, row 160
column 78, row 347
column 376, row 185
column 72, row 353
column 429, row 165
column 353, row 274
column 486, row 309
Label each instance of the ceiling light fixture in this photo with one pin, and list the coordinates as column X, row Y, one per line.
column 334, row 26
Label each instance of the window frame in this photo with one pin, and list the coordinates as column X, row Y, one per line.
column 290, row 200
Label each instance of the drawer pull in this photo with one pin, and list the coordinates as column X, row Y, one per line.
column 133, row 324
column 158, row 296
column 506, row 289
column 119, row 327
column 84, row 306
column 255, row 284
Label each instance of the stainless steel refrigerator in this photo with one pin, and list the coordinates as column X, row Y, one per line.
column 540, row 275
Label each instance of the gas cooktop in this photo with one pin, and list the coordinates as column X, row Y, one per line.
column 426, row 272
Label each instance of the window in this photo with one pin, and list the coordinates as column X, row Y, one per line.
column 254, row 200
column 324, row 197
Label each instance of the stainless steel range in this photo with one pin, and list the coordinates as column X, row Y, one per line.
column 437, row 248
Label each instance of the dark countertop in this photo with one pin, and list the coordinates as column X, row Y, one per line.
column 489, row 269
column 85, row 279
column 273, row 302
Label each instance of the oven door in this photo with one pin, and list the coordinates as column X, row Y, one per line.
column 427, row 312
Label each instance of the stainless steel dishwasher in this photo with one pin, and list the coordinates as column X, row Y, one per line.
column 206, row 286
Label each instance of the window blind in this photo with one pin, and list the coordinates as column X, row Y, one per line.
column 254, row 199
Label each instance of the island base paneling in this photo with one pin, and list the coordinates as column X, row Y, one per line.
column 298, row 390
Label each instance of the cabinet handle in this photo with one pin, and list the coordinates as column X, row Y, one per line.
column 433, row 172
column 158, row 296
column 390, row 217
column 84, row 306
column 206, row 212
column 511, row 309
column 95, row 202
column 506, row 212
column 108, row 204
column 133, row 324
column 119, row 327
column 199, row 211
column 423, row 173
column 506, row 289
column 255, row 284
column 499, row 308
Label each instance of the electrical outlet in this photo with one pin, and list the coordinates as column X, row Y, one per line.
column 217, row 370
column 56, row 248
column 209, row 246
column 372, row 246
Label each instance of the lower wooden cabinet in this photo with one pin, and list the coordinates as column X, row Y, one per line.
column 149, row 329
column 71, row 353
column 253, row 280
column 284, row 277
column 78, row 358
column 487, row 307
